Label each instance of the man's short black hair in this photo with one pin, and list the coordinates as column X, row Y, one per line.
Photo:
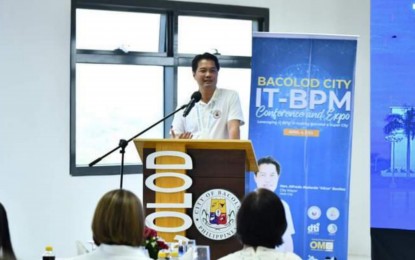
column 269, row 160
column 261, row 220
column 204, row 56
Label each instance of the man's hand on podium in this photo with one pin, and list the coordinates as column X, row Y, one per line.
column 185, row 135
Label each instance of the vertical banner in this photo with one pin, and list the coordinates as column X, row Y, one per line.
column 301, row 128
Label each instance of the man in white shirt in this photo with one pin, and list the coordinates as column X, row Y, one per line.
column 218, row 115
column 267, row 177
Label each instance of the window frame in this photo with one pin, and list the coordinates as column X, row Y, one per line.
column 166, row 57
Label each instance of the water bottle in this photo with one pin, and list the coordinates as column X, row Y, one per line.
column 48, row 254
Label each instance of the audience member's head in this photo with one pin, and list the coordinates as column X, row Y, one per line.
column 118, row 219
column 5, row 242
column 261, row 219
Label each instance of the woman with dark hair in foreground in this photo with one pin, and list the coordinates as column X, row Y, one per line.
column 6, row 248
column 260, row 224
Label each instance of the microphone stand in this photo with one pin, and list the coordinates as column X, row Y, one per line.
column 123, row 143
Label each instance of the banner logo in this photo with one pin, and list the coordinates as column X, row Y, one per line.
column 322, row 245
column 332, row 229
column 314, row 212
column 313, row 228
column 333, row 213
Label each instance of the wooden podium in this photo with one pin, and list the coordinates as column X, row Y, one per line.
column 217, row 164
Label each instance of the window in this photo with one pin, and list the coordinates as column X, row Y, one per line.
column 131, row 66
column 231, row 36
column 109, row 30
column 109, row 99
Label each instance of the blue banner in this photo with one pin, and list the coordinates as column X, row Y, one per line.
column 392, row 128
column 301, row 128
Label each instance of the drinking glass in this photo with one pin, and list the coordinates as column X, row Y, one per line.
column 191, row 245
column 202, row 252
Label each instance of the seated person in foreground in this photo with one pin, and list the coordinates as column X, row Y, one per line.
column 6, row 248
column 118, row 228
column 260, row 224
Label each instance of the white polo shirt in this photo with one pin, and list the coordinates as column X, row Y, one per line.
column 209, row 121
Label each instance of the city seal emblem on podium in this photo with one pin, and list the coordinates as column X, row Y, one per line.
column 214, row 214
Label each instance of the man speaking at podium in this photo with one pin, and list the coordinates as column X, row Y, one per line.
column 218, row 115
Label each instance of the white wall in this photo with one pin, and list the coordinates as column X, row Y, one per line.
column 48, row 206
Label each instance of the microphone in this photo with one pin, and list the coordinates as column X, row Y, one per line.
column 196, row 96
